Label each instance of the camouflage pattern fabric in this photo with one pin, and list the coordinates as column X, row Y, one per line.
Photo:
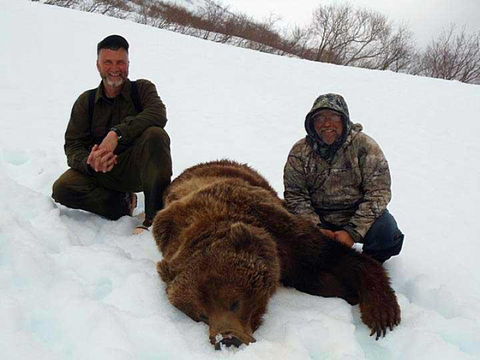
column 330, row 101
column 350, row 190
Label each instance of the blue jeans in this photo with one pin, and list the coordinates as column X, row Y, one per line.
column 383, row 240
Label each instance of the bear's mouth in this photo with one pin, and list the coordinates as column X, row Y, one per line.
column 226, row 341
column 230, row 338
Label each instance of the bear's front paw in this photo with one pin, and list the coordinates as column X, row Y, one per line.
column 381, row 315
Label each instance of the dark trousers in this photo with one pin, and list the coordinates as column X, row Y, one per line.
column 145, row 166
column 383, row 240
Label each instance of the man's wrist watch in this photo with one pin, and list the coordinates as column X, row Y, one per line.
column 118, row 132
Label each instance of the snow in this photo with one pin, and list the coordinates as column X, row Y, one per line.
column 76, row 286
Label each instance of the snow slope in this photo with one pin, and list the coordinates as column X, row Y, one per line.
column 76, row 286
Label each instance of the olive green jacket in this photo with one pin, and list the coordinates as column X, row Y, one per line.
column 349, row 188
column 120, row 112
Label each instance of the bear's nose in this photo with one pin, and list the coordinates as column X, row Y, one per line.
column 228, row 342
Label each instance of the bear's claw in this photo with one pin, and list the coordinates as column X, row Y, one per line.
column 380, row 321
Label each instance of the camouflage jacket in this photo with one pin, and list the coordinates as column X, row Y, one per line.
column 349, row 190
column 82, row 132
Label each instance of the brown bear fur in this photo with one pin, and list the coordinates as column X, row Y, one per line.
column 228, row 243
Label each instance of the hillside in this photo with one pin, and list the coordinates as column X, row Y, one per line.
column 76, row 286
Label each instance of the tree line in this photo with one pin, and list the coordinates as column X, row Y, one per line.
column 339, row 34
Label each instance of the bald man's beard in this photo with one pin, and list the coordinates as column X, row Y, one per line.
column 114, row 82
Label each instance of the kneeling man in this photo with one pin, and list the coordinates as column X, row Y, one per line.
column 115, row 143
column 338, row 177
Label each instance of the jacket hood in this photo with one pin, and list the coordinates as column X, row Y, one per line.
column 333, row 102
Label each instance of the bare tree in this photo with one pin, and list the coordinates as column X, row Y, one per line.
column 294, row 42
column 396, row 50
column 114, row 8
column 454, row 55
column 62, row 3
column 142, row 12
column 215, row 17
column 341, row 34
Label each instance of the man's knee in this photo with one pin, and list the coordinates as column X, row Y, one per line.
column 155, row 152
column 57, row 190
column 383, row 254
column 384, row 236
column 61, row 189
column 69, row 185
column 155, row 136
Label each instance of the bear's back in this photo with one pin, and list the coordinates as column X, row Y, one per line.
column 205, row 174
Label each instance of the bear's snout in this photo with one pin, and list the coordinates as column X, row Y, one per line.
column 228, row 341
column 228, row 338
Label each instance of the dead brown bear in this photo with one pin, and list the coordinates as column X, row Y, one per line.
column 228, row 243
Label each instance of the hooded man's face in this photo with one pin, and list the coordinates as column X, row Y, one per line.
column 328, row 125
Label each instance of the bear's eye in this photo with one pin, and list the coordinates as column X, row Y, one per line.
column 204, row 318
column 234, row 306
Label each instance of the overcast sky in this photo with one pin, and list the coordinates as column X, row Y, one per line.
column 425, row 18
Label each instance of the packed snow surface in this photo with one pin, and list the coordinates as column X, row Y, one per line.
column 76, row 286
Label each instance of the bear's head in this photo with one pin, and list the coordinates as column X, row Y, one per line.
column 228, row 284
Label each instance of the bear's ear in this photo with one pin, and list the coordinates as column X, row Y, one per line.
column 256, row 241
column 242, row 236
column 165, row 272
